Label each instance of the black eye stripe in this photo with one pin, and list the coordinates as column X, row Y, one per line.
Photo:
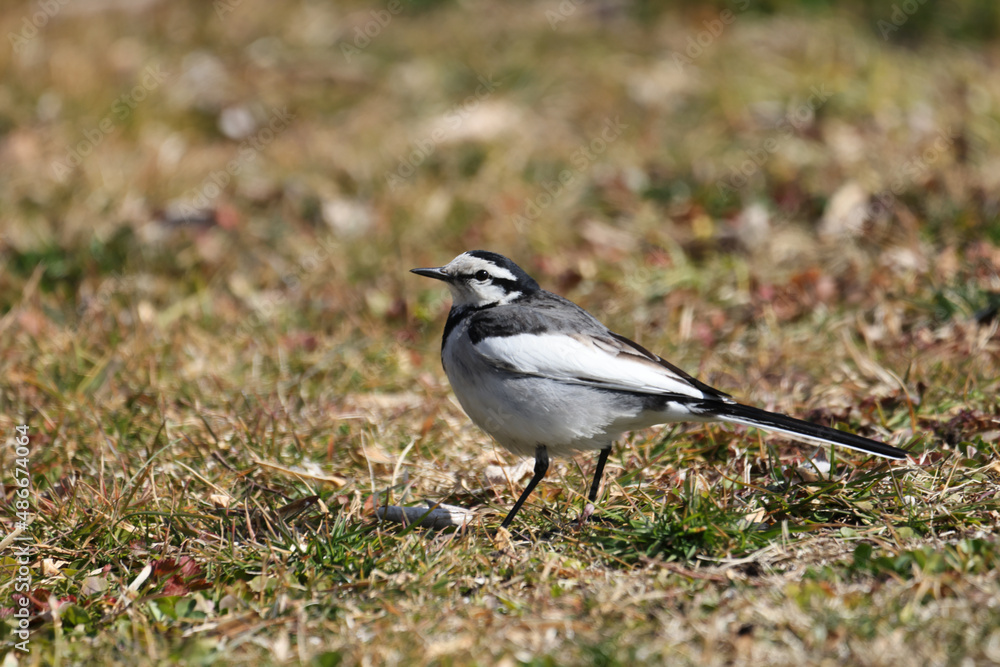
column 508, row 284
column 481, row 274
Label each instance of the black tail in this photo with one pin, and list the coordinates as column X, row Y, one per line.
column 802, row 430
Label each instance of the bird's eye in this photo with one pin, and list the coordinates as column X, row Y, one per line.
column 482, row 275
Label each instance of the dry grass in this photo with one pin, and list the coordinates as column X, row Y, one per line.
column 217, row 381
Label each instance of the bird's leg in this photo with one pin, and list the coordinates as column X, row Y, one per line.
column 599, row 473
column 541, row 467
column 588, row 509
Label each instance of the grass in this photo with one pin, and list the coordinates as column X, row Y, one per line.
column 222, row 382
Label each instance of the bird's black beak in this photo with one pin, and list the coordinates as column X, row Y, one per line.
column 436, row 273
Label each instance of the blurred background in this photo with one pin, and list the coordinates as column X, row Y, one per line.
column 208, row 211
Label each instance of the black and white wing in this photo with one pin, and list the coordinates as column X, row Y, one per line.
column 585, row 352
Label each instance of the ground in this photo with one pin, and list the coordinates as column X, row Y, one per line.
column 223, row 367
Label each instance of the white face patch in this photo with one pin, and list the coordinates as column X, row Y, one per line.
column 469, row 290
column 466, row 264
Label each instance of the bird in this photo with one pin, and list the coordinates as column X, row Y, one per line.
column 543, row 377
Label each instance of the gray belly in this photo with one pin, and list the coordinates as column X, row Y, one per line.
column 523, row 411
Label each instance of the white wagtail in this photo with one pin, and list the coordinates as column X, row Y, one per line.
column 543, row 376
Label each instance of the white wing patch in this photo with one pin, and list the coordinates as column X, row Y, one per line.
column 580, row 360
